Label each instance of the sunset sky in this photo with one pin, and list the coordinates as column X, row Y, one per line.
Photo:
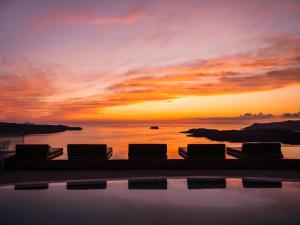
column 136, row 60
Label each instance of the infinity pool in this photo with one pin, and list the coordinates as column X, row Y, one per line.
column 196, row 200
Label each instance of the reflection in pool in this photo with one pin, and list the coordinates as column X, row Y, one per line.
column 196, row 200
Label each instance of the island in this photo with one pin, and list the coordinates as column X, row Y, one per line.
column 30, row 128
column 286, row 132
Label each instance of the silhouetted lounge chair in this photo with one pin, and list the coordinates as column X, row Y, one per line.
column 202, row 151
column 147, row 151
column 259, row 183
column 157, row 183
column 256, row 150
column 33, row 186
column 86, row 185
column 4, row 146
column 37, row 151
column 89, row 151
column 206, row 183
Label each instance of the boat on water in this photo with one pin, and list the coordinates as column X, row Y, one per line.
column 154, row 127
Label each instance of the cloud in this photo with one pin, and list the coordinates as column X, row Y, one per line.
column 46, row 93
column 131, row 17
column 86, row 17
column 291, row 115
column 3, row 62
column 246, row 116
column 266, row 69
column 23, row 95
column 251, row 116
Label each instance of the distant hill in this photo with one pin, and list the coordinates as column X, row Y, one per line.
column 29, row 128
column 287, row 132
column 289, row 124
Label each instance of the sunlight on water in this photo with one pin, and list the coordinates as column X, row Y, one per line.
column 120, row 136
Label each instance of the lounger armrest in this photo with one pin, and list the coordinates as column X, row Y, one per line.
column 55, row 152
column 235, row 152
column 109, row 150
column 183, row 152
column 182, row 149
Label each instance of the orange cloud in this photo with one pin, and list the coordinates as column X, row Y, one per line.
column 52, row 17
column 22, row 96
column 148, row 89
column 33, row 92
column 273, row 67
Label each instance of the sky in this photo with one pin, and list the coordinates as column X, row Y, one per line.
column 148, row 60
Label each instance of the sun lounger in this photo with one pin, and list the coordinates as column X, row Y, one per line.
column 4, row 146
column 86, row 185
column 147, row 151
column 259, row 183
column 33, row 186
column 206, row 183
column 148, row 184
column 256, row 150
column 202, row 151
column 37, row 151
column 89, row 151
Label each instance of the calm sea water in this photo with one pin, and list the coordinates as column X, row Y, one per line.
column 116, row 203
column 119, row 136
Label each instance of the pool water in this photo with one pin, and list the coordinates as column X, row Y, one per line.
column 196, row 200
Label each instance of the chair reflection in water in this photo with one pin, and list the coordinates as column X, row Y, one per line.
column 206, row 183
column 32, row 186
column 86, row 185
column 260, row 183
column 148, row 184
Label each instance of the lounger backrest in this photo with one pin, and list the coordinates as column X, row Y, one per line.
column 32, row 149
column 195, row 149
column 261, row 148
column 87, row 149
column 147, row 149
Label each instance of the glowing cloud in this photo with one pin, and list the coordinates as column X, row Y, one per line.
column 99, row 60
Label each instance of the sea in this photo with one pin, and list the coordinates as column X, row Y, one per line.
column 118, row 136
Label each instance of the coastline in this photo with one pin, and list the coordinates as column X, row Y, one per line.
column 14, row 129
column 286, row 132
